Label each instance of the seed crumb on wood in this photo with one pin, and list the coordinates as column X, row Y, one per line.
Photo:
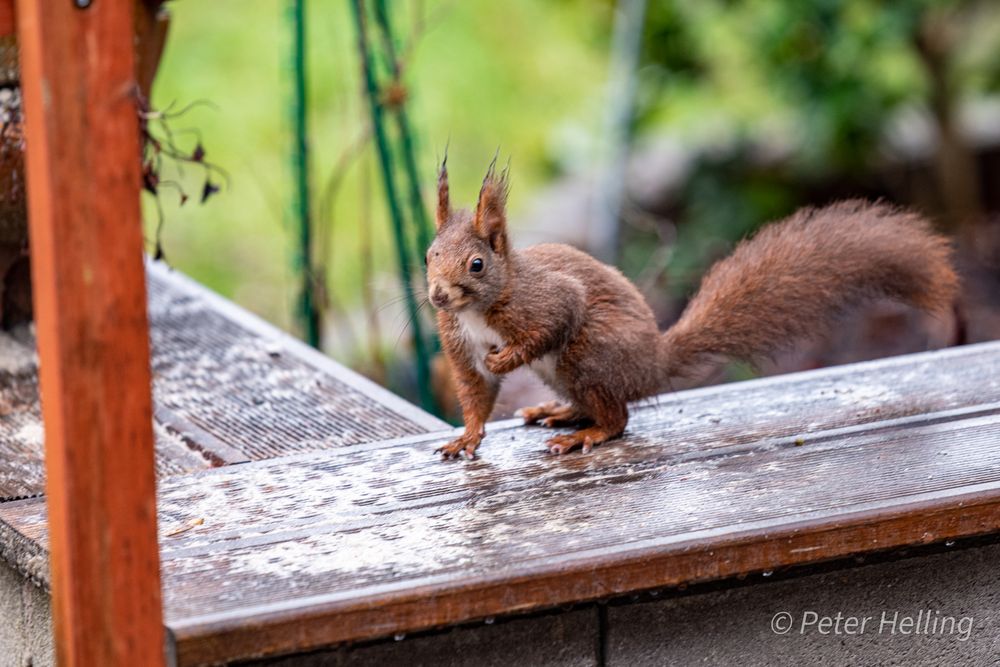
column 186, row 526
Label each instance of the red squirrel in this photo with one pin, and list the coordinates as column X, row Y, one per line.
column 587, row 332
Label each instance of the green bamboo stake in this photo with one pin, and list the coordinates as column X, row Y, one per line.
column 406, row 138
column 306, row 311
column 395, row 212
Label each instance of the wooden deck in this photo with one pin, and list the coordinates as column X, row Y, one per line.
column 347, row 543
column 229, row 388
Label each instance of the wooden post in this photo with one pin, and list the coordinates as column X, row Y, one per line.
column 78, row 82
column 7, row 20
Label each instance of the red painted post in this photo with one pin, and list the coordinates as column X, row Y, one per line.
column 7, row 23
column 83, row 177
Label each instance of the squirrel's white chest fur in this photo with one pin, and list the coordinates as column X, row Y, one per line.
column 480, row 338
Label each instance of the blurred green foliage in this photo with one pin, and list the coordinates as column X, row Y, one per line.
column 829, row 69
column 521, row 74
column 818, row 79
column 814, row 82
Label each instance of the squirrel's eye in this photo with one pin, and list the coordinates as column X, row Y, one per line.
column 476, row 265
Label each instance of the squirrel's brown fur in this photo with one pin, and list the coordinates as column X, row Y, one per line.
column 795, row 277
column 589, row 334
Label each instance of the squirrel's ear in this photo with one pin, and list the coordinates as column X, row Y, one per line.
column 443, row 208
column 491, row 212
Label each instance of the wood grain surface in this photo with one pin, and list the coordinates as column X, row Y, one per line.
column 228, row 388
column 383, row 538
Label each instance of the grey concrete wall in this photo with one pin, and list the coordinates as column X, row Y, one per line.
column 559, row 640
column 734, row 627
column 730, row 626
column 25, row 622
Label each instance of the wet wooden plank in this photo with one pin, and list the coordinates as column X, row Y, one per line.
column 382, row 538
column 257, row 389
column 22, row 469
column 83, row 180
column 228, row 389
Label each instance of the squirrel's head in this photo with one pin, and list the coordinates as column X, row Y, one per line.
column 468, row 262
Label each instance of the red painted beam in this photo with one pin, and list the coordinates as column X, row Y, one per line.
column 7, row 23
column 78, row 82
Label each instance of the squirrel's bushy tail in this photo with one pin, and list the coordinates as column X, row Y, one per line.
column 795, row 277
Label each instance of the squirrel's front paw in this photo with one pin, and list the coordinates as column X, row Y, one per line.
column 465, row 443
column 504, row 360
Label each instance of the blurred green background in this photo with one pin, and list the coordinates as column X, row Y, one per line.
column 524, row 75
column 741, row 112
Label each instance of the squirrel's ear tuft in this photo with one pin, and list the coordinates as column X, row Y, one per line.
column 491, row 211
column 443, row 207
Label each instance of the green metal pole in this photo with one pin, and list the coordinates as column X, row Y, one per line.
column 306, row 312
column 395, row 212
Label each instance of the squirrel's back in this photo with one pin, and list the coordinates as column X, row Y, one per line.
column 795, row 277
column 602, row 282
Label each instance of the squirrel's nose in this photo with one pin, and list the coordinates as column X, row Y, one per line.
column 439, row 297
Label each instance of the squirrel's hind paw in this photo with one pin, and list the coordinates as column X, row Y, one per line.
column 585, row 439
column 551, row 414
